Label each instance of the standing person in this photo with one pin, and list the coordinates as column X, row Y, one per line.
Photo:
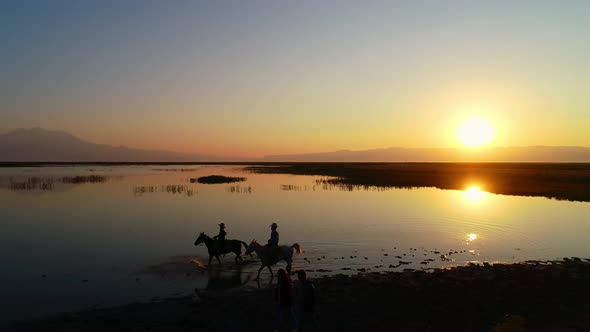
column 305, row 303
column 220, row 237
column 283, row 299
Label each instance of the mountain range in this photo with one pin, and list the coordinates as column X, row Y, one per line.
column 42, row 145
column 491, row 154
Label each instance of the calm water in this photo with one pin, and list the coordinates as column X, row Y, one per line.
column 77, row 237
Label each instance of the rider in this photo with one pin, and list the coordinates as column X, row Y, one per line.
column 273, row 242
column 220, row 237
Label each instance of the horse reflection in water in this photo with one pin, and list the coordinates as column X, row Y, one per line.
column 221, row 279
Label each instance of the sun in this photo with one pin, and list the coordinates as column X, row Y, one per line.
column 476, row 132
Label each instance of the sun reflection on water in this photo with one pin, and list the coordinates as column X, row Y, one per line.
column 474, row 193
column 472, row 237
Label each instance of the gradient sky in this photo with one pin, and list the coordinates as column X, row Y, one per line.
column 250, row 78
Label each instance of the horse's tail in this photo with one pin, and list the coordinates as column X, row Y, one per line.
column 297, row 248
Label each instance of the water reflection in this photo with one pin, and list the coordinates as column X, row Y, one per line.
column 240, row 189
column 330, row 184
column 32, row 183
column 226, row 278
column 474, row 193
column 50, row 183
column 139, row 191
column 362, row 227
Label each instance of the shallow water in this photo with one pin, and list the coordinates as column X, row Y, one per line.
column 76, row 237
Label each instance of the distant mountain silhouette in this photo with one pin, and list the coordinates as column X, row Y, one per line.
column 38, row 144
column 500, row 154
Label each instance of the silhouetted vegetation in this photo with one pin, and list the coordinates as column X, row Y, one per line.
column 84, row 179
column 174, row 189
column 294, row 187
column 175, row 169
column 32, row 183
column 48, row 183
column 559, row 181
column 240, row 189
column 217, row 179
column 330, row 184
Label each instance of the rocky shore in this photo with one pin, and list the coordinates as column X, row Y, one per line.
column 531, row 296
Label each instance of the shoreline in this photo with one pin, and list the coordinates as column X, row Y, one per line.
column 533, row 296
column 562, row 181
column 567, row 181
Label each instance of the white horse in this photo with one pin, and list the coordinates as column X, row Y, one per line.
column 268, row 260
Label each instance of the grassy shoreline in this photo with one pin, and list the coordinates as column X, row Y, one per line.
column 534, row 296
column 564, row 181
column 558, row 181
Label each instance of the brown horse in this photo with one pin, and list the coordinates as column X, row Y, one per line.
column 228, row 246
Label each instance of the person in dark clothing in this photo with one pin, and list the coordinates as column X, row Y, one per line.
column 220, row 237
column 306, row 298
column 283, row 299
column 274, row 235
column 273, row 243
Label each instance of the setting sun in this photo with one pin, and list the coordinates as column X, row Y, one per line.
column 476, row 132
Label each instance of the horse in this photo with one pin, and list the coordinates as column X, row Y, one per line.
column 228, row 246
column 269, row 260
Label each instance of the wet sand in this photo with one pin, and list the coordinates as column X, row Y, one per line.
column 532, row 296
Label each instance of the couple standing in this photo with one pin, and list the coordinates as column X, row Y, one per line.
column 296, row 303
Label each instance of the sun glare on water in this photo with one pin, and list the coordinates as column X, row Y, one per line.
column 476, row 132
column 474, row 193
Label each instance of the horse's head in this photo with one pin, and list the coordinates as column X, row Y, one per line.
column 251, row 247
column 200, row 239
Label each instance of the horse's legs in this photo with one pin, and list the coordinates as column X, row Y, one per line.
column 260, row 269
column 271, row 274
column 238, row 258
column 210, row 259
column 289, row 265
column 219, row 260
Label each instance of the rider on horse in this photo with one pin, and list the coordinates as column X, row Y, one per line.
column 220, row 237
column 273, row 242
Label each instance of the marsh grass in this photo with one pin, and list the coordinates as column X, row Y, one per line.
column 174, row 189
column 331, row 184
column 558, row 181
column 218, row 179
column 237, row 189
column 175, row 169
column 32, row 183
column 48, row 183
column 85, row 179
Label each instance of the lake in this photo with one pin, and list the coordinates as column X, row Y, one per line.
column 92, row 236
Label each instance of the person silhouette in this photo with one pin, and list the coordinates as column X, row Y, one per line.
column 283, row 300
column 306, row 299
column 273, row 242
column 220, row 237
